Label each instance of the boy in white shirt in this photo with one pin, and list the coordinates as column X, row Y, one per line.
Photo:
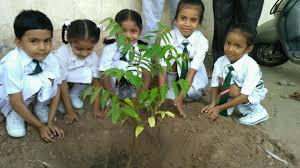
column 28, row 74
column 237, row 80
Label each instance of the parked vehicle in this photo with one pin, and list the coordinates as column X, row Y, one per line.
column 278, row 39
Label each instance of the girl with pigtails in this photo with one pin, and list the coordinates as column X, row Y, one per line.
column 79, row 63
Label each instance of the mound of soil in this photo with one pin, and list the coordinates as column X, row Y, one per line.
column 192, row 142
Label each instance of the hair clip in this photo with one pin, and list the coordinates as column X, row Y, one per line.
column 101, row 27
column 67, row 22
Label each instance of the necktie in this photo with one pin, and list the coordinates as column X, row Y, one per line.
column 184, row 63
column 123, row 57
column 38, row 69
column 224, row 95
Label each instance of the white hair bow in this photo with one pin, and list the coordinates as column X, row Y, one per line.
column 67, row 22
column 101, row 27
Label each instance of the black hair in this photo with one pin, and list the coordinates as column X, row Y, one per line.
column 81, row 30
column 183, row 3
column 245, row 30
column 127, row 14
column 124, row 15
column 31, row 19
column 110, row 41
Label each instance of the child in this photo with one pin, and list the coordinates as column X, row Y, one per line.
column 131, row 23
column 238, row 77
column 79, row 62
column 28, row 74
column 187, row 40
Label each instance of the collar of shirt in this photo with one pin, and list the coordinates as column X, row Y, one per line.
column 237, row 66
column 75, row 61
column 181, row 39
column 25, row 59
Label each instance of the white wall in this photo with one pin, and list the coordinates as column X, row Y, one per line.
column 58, row 10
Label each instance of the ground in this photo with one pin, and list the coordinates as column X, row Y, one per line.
column 175, row 143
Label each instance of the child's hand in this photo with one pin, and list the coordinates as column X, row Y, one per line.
column 58, row 132
column 208, row 107
column 214, row 112
column 46, row 134
column 70, row 118
column 179, row 104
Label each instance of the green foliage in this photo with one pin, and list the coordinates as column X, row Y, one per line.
column 142, row 110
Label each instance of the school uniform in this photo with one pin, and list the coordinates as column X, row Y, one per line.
column 246, row 74
column 78, row 71
column 197, row 47
column 112, row 57
column 16, row 76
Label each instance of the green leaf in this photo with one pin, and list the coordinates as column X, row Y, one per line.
column 143, row 96
column 134, row 80
column 130, row 112
column 126, row 48
column 86, row 92
column 115, row 29
column 175, row 88
column 115, row 115
column 131, row 55
column 153, row 94
column 163, row 92
column 170, row 114
column 114, row 72
column 115, row 102
column 138, row 130
column 129, row 102
column 95, row 94
column 151, row 121
column 104, row 98
column 121, row 40
column 143, row 47
column 184, row 85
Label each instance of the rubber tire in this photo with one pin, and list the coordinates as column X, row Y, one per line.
column 258, row 56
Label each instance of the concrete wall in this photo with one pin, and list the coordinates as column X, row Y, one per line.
column 58, row 10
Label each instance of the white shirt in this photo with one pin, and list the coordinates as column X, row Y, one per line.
column 15, row 68
column 197, row 48
column 110, row 58
column 75, row 69
column 246, row 73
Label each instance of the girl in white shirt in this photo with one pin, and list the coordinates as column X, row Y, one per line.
column 131, row 23
column 79, row 63
column 187, row 40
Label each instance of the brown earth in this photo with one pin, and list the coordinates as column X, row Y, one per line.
column 192, row 142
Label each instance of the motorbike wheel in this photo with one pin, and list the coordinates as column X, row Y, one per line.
column 269, row 54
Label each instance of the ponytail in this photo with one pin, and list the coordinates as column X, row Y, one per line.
column 64, row 29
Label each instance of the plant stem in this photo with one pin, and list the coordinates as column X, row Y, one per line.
column 132, row 145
